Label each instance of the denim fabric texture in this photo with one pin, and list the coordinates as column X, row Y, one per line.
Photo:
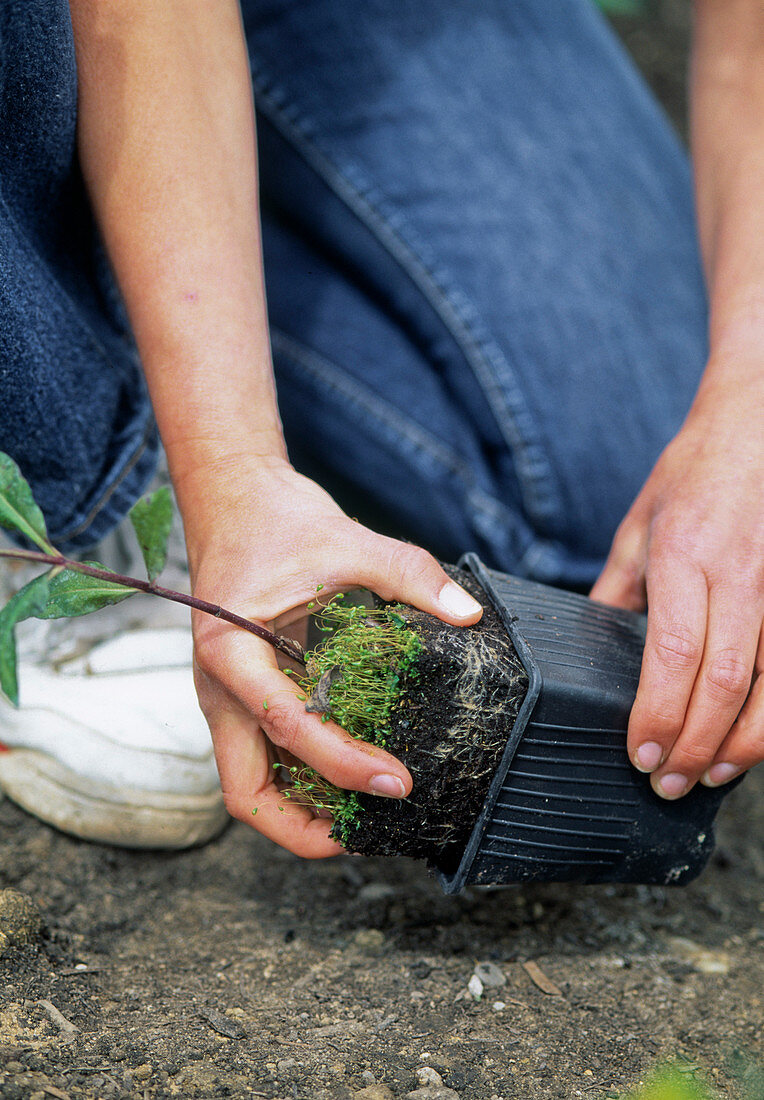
column 487, row 308
column 74, row 411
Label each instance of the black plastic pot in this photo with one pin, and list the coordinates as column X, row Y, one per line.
column 566, row 804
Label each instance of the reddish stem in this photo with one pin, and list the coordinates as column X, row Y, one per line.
column 284, row 645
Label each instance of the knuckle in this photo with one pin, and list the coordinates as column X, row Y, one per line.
column 677, row 649
column 282, row 726
column 728, row 675
column 690, row 759
column 656, row 719
column 665, row 728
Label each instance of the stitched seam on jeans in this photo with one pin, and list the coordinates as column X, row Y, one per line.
column 535, row 475
column 335, row 379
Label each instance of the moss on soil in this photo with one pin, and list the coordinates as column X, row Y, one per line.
column 440, row 698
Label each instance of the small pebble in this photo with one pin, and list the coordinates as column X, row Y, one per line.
column 370, row 940
column 374, row 1092
column 490, row 975
column 703, row 959
column 498, row 1006
column 368, row 1077
column 475, row 987
column 426, row 1075
column 142, row 1072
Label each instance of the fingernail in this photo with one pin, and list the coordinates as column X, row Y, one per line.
column 672, row 785
column 387, row 786
column 456, row 601
column 720, row 773
column 648, row 756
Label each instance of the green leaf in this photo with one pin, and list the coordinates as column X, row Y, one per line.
column 72, row 593
column 26, row 603
column 152, row 519
column 54, row 595
column 18, row 510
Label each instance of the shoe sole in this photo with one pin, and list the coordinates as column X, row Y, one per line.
column 123, row 817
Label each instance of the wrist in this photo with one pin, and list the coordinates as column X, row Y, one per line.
column 225, row 485
column 734, row 372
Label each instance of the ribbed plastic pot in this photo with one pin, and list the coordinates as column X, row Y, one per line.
column 566, row 804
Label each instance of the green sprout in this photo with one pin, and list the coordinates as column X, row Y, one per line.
column 353, row 678
column 68, row 588
column 674, row 1082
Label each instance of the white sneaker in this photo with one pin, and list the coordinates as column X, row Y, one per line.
column 110, row 745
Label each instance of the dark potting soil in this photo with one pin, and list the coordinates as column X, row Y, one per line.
column 456, row 710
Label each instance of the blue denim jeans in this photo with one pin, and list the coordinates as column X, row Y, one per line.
column 487, row 309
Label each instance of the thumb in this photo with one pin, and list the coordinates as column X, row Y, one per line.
column 400, row 571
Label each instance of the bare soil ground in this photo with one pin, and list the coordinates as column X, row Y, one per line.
column 238, row 971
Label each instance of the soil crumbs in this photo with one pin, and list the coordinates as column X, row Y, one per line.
column 239, row 971
column 455, row 710
column 236, row 970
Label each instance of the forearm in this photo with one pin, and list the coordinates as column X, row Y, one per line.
column 167, row 144
column 691, row 544
column 728, row 152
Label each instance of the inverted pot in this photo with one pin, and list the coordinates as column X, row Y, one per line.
column 566, row 804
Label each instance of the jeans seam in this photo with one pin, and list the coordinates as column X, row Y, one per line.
column 535, row 475
column 334, row 378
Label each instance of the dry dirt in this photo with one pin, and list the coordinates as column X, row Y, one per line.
column 237, row 970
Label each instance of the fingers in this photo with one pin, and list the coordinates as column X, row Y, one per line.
column 697, row 668
column 400, row 571
column 676, row 630
column 720, row 689
column 251, row 795
column 345, row 761
column 249, row 705
column 743, row 747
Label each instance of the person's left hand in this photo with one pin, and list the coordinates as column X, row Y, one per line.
column 692, row 548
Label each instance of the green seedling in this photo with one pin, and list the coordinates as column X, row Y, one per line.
column 351, row 678
column 674, row 1082
column 70, row 588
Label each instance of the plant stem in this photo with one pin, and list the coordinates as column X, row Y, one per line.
column 289, row 648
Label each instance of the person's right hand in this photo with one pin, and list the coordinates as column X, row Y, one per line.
column 270, row 538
